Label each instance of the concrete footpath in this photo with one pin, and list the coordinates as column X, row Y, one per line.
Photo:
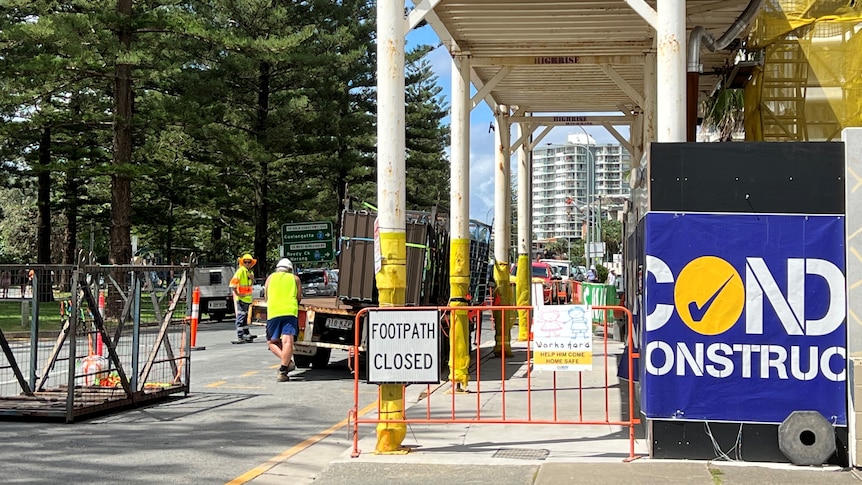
column 538, row 453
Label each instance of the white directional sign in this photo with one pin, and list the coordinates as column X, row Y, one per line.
column 404, row 347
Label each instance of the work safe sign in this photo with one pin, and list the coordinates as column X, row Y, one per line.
column 403, row 346
column 745, row 317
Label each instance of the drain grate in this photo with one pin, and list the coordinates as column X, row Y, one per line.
column 522, row 453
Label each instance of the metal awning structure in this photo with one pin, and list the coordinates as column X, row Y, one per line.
column 623, row 58
column 564, row 56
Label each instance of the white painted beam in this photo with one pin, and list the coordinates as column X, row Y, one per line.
column 572, row 120
column 489, row 86
column 418, row 14
column 627, row 88
column 645, row 11
column 616, row 134
column 549, row 61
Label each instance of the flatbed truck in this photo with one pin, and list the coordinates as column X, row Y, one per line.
column 328, row 323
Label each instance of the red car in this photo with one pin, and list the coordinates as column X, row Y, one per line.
column 540, row 273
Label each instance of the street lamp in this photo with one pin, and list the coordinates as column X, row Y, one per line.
column 590, row 194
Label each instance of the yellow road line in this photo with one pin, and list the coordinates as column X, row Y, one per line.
column 216, row 384
column 249, row 373
column 268, row 464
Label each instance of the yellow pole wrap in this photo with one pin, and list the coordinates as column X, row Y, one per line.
column 523, row 288
column 392, row 278
column 459, row 329
column 503, row 329
column 392, row 288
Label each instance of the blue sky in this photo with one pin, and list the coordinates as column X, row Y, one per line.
column 481, row 138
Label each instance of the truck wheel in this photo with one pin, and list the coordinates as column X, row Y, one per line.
column 321, row 358
column 302, row 361
column 217, row 316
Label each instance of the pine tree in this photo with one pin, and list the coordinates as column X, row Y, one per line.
column 427, row 138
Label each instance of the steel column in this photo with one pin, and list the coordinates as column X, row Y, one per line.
column 391, row 198
column 670, row 38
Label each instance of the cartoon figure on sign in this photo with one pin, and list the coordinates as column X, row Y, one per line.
column 579, row 323
column 550, row 324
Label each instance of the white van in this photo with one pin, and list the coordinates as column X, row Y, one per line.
column 214, row 283
column 560, row 267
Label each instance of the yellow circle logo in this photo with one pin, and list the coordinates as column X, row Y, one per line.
column 709, row 295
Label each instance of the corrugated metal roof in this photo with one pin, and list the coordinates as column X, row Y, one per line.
column 583, row 42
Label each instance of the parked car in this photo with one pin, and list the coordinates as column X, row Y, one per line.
column 560, row 267
column 318, row 282
column 580, row 273
column 541, row 273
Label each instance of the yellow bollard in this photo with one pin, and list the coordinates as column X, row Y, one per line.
column 392, row 287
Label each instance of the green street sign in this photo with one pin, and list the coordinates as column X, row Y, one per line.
column 310, row 252
column 306, row 232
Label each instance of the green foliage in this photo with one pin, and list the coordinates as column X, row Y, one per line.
column 612, row 235
column 724, row 113
column 426, row 138
column 247, row 114
column 601, row 273
column 17, row 231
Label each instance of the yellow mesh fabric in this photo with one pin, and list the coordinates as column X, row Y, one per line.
column 809, row 86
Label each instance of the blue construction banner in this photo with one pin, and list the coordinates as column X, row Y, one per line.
column 745, row 317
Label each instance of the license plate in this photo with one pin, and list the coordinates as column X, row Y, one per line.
column 339, row 323
column 303, row 350
column 217, row 305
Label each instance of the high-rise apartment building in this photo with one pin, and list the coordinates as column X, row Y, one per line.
column 562, row 176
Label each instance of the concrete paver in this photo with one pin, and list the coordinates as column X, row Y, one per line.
column 531, row 454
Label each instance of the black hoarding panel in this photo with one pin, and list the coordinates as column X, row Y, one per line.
column 357, row 285
column 417, row 249
column 356, row 261
column 788, row 178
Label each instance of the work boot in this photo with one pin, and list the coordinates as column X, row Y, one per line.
column 249, row 337
column 291, row 366
column 282, row 376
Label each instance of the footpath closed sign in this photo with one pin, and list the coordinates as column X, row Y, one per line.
column 562, row 338
column 403, row 346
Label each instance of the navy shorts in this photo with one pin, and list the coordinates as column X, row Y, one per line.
column 278, row 326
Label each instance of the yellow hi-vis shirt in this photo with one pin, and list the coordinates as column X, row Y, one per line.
column 243, row 281
column 281, row 295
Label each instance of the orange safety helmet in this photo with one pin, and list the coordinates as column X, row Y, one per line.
column 246, row 257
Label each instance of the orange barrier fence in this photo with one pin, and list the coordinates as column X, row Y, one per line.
column 561, row 396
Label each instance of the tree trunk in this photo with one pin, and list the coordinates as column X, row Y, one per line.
column 71, row 202
column 261, row 227
column 170, row 227
column 70, row 244
column 121, row 200
column 43, row 220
